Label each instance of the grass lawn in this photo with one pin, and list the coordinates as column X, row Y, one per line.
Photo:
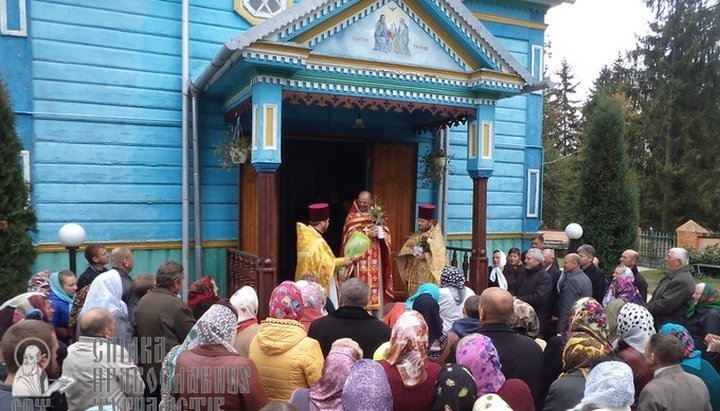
column 653, row 277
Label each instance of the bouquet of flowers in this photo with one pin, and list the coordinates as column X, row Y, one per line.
column 422, row 245
column 378, row 218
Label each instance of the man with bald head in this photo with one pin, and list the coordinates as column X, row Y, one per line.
column 521, row 357
column 103, row 371
column 375, row 266
column 574, row 284
column 630, row 258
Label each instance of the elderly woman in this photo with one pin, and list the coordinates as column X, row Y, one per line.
column 692, row 362
column 580, row 352
column 208, row 346
column 608, row 387
column 326, row 395
column 202, row 294
column 623, row 287
column 245, row 302
column 106, row 292
column 367, row 388
column 455, row 389
column 412, row 378
column 478, row 353
column 525, row 321
column 453, row 294
column 286, row 358
column 313, row 295
column 634, row 329
column 703, row 318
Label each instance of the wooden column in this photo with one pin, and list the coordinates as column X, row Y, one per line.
column 268, row 216
column 478, row 260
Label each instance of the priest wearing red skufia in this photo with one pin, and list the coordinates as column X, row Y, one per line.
column 375, row 266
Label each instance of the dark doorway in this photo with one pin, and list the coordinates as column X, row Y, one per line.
column 315, row 171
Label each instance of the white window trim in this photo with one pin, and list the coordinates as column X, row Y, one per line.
column 540, row 53
column 25, row 158
column 533, row 201
column 255, row 127
column 490, row 140
column 22, row 8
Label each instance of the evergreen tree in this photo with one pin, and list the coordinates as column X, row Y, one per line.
column 567, row 123
column 18, row 217
column 607, row 200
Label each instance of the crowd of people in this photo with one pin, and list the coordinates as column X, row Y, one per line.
column 539, row 338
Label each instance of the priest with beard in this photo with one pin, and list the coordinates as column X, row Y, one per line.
column 423, row 255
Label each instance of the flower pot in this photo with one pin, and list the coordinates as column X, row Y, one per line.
column 238, row 156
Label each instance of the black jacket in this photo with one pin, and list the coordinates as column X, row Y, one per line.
column 598, row 280
column 535, row 288
column 640, row 283
column 350, row 322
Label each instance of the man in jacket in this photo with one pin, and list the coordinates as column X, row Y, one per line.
column 551, row 267
column 630, row 259
column 521, row 357
column 673, row 296
column 163, row 321
column 596, row 276
column 536, row 287
column 671, row 388
column 573, row 285
column 351, row 320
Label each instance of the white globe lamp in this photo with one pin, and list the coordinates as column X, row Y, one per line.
column 71, row 236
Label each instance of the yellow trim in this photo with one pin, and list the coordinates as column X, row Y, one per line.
column 372, row 65
column 155, row 245
column 486, row 140
column 508, row 20
column 269, row 119
column 485, row 74
column 472, row 139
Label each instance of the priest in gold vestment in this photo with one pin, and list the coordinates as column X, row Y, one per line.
column 314, row 255
column 423, row 255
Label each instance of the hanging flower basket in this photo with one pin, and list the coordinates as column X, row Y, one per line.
column 435, row 162
column 234, row 147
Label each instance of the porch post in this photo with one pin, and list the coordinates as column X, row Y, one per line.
column 480, row 167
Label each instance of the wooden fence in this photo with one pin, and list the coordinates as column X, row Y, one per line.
column 652, row 246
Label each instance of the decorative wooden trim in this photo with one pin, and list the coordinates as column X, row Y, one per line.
column 155, row 245
column 511, row 21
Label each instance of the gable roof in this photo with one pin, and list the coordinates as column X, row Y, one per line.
column 308, row 10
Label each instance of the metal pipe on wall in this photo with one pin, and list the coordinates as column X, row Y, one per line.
column 196, row 188
column 185, row 149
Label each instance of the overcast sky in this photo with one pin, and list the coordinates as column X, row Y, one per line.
column 590, row 33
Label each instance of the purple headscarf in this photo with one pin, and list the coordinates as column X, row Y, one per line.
column 478, row 353
column 367, row 388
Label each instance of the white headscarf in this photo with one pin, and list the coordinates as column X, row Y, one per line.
column 106, row 292
column 496, row 275
column 609, row 384
column 634, row 326
column 245, row 301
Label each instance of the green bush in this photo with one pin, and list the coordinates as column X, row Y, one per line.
column 709, row 255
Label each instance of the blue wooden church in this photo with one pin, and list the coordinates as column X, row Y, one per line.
column 121, row 104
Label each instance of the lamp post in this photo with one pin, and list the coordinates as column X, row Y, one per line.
column 71, row 236
column 573, row 231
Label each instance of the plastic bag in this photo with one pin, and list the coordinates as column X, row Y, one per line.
column 357, row 245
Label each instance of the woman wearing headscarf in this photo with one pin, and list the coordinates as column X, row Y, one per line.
column 580, row 352
column 398, row 309
column 245, row 301
column 608, row 387
column 514, row 270
column 478, row 353
column 455, row 389
column 208, row 346
column 634, row 329
column 623, row 287
column 496, row 277
column 703, row 318
column 525, row 321
column 367, row 388
column 491, row 402
column 588, row 318
column 438, row 347
column 63, row 286
column 694, row 364
column 453, row 294
column 327, row 393
column 106, row 292
column 412, row 378
column 40, row 282
column 313, row 296
column 285, row 357
column 201, row 295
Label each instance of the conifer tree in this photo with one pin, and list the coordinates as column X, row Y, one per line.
column 607, row 200
column 17, row 218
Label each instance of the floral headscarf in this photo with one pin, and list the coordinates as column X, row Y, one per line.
column 453, row 279
column 408, row 348
column 580, row 351
column 286, row 301
column 635, row 326
column 216, row 326
column 524, row 319
column 625, row 289
column 691, row 356
column 313, row 295
column 491, row 402
column 40, row 282
column 588, row 316
column 610, row 384
column 245, row 301
column 367, row 388
column 455, row 389
column 327, row 393
column 478, row 353
column 427, row 288
column 708, row 298
column 201, row 294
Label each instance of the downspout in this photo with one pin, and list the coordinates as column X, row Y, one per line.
column 443, row 188
column 196, row 188
column 185, row 148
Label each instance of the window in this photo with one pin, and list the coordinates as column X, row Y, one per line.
column 264, row 9
column 536, row 62
column 13, row 18
column 533, row 193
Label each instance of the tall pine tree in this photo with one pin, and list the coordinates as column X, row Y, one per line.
column 16, row 214
column 607, row 201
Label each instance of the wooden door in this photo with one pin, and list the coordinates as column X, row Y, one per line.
column 393, row 182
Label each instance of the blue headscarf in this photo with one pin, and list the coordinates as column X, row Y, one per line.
column 427, row 288
column 691, row 356
column 56, row 288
